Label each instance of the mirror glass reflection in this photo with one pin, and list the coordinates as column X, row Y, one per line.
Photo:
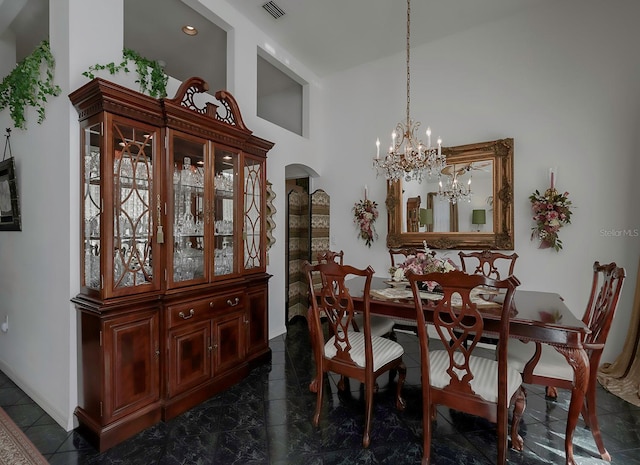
column 427, row 210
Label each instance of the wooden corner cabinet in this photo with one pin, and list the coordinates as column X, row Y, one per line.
column 173, row 305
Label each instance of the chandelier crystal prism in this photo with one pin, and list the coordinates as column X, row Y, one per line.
column 408, row 158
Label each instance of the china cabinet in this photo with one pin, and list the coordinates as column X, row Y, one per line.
column 173, row 302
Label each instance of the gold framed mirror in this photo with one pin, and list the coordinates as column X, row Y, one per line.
column 447, row 225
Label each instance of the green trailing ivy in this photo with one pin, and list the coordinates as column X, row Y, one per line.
column 26, row 86
column 151, row 75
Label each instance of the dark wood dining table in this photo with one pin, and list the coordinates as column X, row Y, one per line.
column 538, row 316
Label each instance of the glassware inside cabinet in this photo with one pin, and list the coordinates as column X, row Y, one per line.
column 225, row 182
column 188, row 209
column 133, row 158
column 92, row 207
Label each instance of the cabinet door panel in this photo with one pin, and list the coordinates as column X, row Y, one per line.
column 189, row 210
column 131, row 364
column 189, row 356
column 257, row 339
column 229, row 341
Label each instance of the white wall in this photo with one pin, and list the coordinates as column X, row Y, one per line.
column 563, row 82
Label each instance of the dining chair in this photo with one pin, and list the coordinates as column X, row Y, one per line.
column 380, row 325
column 455, row 375
column 486, row 266
column 413, row 214
column 543, row 365
column 353, row 354
column 487, row 263
column 402, row 253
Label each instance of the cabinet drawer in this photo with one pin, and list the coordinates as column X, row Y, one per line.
column 230, row 301
column 197, row 310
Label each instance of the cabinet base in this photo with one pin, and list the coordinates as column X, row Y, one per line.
column 104, row 437
column 189, row 399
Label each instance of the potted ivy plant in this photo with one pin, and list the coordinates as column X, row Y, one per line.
column 151, row 76
column 29, row 84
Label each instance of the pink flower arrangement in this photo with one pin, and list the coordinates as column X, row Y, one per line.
column 365, row 215
column 551, row 211
column 423, row 263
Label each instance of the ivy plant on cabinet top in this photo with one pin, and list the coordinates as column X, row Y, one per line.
column 26, row 85
column 151, row 76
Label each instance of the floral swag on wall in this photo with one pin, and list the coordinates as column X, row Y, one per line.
column 365, row 215
column 551, row 211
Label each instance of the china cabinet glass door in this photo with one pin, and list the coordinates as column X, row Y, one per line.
column 224, row 216
column 189, row 210
column 253, row 177
column 119, row 207
column 133, row 150
column 92, row 207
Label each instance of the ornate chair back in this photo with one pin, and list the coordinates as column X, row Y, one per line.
column 454, row 375
column 413, row 214
column 487, row 263
column 331, row 256
column 403, row 252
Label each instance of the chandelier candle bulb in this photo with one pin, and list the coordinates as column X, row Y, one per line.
column 428, row 137
column 377, row 148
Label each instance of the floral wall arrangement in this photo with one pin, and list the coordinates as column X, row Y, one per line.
column 551, row 211
column 365, row 213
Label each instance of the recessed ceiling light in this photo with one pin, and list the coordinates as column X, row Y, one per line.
column 189, row 30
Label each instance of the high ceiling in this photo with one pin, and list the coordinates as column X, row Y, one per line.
column 326, row 36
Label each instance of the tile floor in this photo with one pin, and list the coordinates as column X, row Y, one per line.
column 266, row 419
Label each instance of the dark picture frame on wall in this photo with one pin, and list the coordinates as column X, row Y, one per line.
column 9, row 205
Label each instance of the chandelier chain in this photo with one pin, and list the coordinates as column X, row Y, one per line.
column 408, row 60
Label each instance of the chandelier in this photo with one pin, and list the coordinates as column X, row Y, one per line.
column 454, row 188
column 408, row 157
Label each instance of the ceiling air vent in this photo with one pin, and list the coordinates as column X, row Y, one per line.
column 273, row 9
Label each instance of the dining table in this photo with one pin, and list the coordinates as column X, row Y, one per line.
column 537, row 316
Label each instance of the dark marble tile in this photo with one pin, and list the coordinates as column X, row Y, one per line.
column 267, row 419
column 288, row 442
column 46, row 438
column 13, row 395
column 241, row 447
column 24, row 415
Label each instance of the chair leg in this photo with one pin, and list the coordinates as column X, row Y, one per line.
column 319, row 391
column 501, row 427
column 591, row 419
column 520, row 404
column 402, row 375
column 368, row 399
column 428, row 412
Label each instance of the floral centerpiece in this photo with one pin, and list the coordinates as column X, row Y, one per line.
column 365, row 215
column 423, row 263
column 551, row 211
